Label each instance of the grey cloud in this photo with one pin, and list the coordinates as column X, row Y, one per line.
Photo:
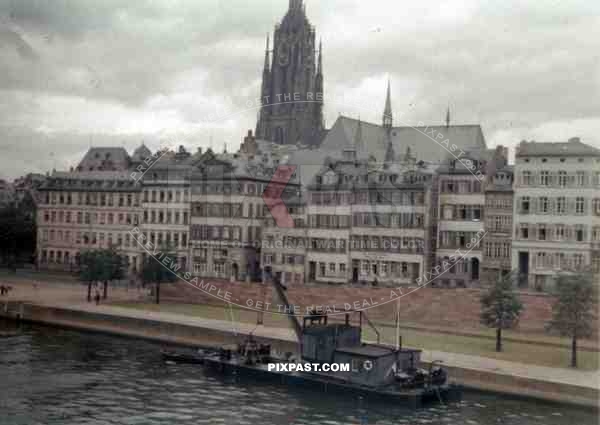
column 505, row 64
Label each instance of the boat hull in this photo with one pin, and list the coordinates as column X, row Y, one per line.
column 320, row 382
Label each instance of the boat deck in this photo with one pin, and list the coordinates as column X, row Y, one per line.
column 327, row 383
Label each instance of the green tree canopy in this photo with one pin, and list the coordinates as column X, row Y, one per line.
column 572, row 313
column 501, row 306
column 157, row 270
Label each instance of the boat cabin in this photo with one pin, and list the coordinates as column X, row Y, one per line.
column 340, row 342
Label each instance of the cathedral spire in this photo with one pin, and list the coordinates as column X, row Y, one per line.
column 387, row 112
column 320, row 61
column 295, row 4
column 267, row 67
column 291, row 67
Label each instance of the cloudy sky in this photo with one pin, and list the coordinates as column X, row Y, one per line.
column 75, row 73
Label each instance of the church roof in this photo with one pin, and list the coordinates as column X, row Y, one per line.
column 424, row 142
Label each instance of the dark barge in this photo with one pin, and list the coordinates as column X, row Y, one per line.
column 373, row 371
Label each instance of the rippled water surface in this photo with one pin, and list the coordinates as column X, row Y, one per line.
column 54, row 376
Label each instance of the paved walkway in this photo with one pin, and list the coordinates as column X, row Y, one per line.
column 72, row 296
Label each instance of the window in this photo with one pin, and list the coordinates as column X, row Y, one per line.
column 542, row 232
column 579, row 205
column 545, row 178
column 560, row 232
column 562, row 178
column 525, row 204
column 578, row 261
column 524, row 231
column 527, row 180
column 332, row 268
column 561, row 205
column 342, row 268
column 544, row 204
column 596, row 206
column 579, row 233
column 322, row 269
column 581, row 178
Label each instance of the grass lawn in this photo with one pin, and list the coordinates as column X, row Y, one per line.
column 513, row 350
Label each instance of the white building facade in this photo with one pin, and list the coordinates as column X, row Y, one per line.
column 556, row 211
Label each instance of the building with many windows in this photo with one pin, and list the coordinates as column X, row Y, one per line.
column 228, row 214
column 556, row 214
column 92, row 207
column 460, row 220
column 498, row 223
column 368, row 221
column 166, row 197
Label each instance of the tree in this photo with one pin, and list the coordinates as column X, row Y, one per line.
column 90, row 270
column 17, row 232
column 160, row 270
column 112, row 267
column 501, row 307
column 572, row 311
column 100, row 265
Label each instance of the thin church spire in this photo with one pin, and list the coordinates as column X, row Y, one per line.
column 295, row 4
column 267, row 64
column 387, row 112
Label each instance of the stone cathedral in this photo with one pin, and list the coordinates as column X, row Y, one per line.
column 292, row 83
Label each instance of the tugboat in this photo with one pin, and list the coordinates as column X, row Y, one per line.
column 373, row 370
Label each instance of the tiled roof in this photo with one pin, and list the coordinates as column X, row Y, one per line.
column 573, row 147
column 424, row 142
column 105, row 158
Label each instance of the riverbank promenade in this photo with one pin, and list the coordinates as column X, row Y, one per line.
column 505, row 375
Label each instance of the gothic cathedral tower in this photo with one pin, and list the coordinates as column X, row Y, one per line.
column 292, row 83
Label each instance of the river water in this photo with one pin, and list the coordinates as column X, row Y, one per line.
column 56, row 376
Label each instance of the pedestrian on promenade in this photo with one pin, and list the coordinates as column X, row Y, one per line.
column 97, row 296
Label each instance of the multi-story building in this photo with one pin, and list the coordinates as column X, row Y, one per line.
column 556, row 210
column 284, row 248
column 460, row 221
column 498, row 223
column 227, row 215
column 94, row 206
column 368, row 221
column 166, row 197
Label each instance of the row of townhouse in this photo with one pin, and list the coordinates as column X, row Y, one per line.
column 461, row 222
column 360, row 222
column 464, row 222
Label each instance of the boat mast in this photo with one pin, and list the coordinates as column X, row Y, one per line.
column 398, row 324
